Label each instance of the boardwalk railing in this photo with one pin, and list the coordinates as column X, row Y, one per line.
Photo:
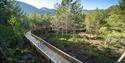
column 121, row 58
column 49, row 52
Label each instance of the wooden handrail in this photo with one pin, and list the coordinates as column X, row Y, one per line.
column 121, row 58
column 62, row 57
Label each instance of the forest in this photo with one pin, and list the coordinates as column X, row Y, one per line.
column 94, row 37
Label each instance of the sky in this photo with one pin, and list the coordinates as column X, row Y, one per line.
column 87, row 4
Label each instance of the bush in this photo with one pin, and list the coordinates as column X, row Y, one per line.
column 118, row 37
column 103, row 31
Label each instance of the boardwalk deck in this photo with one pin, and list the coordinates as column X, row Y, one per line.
column 54, row 54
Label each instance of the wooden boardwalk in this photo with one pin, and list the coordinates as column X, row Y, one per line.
column 51, row 53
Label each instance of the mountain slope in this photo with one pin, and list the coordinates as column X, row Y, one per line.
column 29, row 9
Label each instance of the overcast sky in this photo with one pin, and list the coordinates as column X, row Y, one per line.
column 87, row 4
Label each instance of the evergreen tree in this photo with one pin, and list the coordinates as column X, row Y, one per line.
column 122, row 6
column 116, row 22
column 94, row 21
column 7, row 9
column 11, row 25
column 69, row 14
column 115, row 9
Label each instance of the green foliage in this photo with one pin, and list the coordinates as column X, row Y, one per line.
column 16, row 27
column 61, row 22
column 10, row 19
column 116, row 22
column 13, row 24
column 122, row 6
column 13, row 21
column 8, row 8
column 68, row 16
column 46, row 20
column 115, row 9
column 118, row 37
column 6, row 35
column 34, row 18
column 94, row 21
column 103, row 31
column 77, row 14
column 37, row 21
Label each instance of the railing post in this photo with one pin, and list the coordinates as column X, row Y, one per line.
column 121, row 58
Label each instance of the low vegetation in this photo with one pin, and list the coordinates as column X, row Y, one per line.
column 86, row 50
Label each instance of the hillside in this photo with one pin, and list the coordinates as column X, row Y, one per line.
column 29, row 9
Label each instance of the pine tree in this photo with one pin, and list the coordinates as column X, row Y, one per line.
column 8, row 8
column 94, row 21
column 122, row 6
column 69, row 14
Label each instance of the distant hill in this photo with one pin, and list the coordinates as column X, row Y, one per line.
column 29, row 9
column 87, row 11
